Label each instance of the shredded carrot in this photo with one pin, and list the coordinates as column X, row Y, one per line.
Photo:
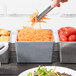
column 47, row 73
column 33, row 19
column 31, row 34
column 40, row 74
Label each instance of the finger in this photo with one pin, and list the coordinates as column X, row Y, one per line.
column 64, row 1
column 55, row 3
column 58, row 5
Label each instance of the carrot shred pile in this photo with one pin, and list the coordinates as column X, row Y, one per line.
column 31, row 34
column 33, row 19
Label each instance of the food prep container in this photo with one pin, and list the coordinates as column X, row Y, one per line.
column 34, row 51
column 4, row 51
column 67, row 51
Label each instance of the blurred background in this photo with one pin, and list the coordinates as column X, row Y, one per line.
column 15, row 13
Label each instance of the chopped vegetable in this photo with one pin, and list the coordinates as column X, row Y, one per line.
column 31, row 34
column 4, row 32
column 30, row 74
column 33, row 19
column 4, row 38
column 42, row 71
column 4, row 35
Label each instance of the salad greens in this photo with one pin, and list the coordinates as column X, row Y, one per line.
column 42, row 71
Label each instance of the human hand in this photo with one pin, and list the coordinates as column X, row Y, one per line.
column 56, row 3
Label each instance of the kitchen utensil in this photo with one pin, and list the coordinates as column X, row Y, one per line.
column 47, row 10
column 4, row 52
column 3, row 47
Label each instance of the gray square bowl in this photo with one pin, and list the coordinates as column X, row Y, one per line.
column 34, row 51
column 67, row 51
column 4, row 58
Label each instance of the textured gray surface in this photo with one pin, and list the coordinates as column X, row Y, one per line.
column 12, row 46
column 13, row 69
column 34, row 52
column 68, row 52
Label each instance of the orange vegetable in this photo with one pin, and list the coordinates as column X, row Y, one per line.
column 31, row 34
column 33, row 19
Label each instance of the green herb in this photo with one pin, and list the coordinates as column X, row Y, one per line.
column 42, row 71
column 29, row 74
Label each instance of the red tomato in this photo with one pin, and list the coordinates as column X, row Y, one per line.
column 67, row 33
column 67, row 27
column 72, row 30
column 63, row 38
column 61, row 29
column 72, row 38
